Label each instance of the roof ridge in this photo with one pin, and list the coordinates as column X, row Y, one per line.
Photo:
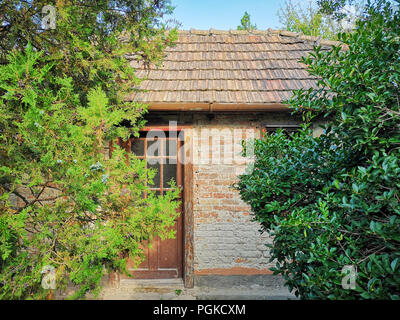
column 269, row 32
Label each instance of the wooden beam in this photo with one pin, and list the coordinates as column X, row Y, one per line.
column 188, row 226
column 216, row 107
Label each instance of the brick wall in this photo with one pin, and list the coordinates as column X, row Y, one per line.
column 226, row 241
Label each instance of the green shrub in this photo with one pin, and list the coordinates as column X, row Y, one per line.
column 62, row 98
column 96, row 215
column 333, row 201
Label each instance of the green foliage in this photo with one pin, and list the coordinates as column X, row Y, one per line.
column 334, row 7
column 338, row 9
column 245, row 23
column 84, row 214
column 61, row 100
column 86, row 42
column 333, row 200
column 307, row 19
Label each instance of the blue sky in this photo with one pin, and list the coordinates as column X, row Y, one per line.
column 226, row 14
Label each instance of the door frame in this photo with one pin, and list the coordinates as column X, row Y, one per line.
column 187, row 205
column 187, row 199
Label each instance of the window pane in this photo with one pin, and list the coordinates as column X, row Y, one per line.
column 287, row 131
column 171, row 147
column 153, row 148
column 138, row 147
column 169, row 173
column 156, row 179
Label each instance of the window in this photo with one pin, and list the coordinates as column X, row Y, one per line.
column 163, row 153
column 287, row 129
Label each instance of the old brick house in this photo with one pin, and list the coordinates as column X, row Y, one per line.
column 214, row 89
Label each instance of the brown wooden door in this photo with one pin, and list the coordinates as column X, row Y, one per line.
column 164, row 260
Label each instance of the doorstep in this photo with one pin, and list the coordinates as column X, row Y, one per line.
column 173, row 289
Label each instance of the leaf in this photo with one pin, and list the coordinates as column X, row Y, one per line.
column 365, row 295
column 393, row 265
column 336, row 184
column 371, row 95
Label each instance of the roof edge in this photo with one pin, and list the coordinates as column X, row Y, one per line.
column 217, row 107
column 269, row 32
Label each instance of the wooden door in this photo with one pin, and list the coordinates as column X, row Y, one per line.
column 164, row 260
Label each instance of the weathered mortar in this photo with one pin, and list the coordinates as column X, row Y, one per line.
column 226, row 241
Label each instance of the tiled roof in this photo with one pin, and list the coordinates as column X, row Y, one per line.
column 234, row 67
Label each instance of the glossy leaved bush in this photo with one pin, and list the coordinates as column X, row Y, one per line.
column 333, row 201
